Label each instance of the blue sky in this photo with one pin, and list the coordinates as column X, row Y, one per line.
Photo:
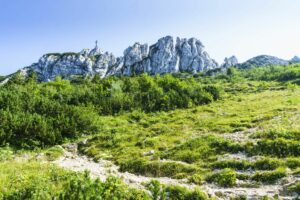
column 30, row 28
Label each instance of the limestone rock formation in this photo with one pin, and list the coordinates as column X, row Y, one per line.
column 51, row 65
column 193, row 58
column 163, row 57
column 168, row 55
column 134, row 57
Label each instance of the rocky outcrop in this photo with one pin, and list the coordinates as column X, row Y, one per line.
column 230, row 62
column 51, row 65
column 134, row 59
column 163, row 57
column 168, row 55
column 103, row 63
column 193, row 58
column 263, row 60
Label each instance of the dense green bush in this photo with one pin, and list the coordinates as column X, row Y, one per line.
column 225, row 178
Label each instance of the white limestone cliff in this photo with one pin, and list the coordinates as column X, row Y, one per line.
column 168, row 55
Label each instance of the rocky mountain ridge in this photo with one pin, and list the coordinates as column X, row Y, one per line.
column 167, row 55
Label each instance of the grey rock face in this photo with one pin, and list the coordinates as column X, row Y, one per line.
column 134, row 57
column 52, row 65
column 295, row 59
column 163, row 57
column 166, row 56
column 263, row 60
column 67, row 65
column 193, row 58
column 103, row 62
column 135, row 53
column 230, row 62
column 170, row 56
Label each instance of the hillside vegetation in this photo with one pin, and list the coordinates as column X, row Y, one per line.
column 233, row 129
column 37, row 115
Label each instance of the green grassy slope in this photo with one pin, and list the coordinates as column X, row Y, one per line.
column 238, row 129
column 198, row 135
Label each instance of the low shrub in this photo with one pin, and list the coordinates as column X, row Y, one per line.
column 181, row 193
column 279, row 147
column 161, row 192
column 267, row 164
column 32, row 180
column 54, row 152
column 6, row 153
column 157, row 168
column 233, row 164
column 225, row 178
column 196, row 179
column 202, row 148
column 296, row 171
column 293, row 163
column 295, row 188
column 83, row 187
column 241, row 176
column 270, row 176
column 275, row 134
